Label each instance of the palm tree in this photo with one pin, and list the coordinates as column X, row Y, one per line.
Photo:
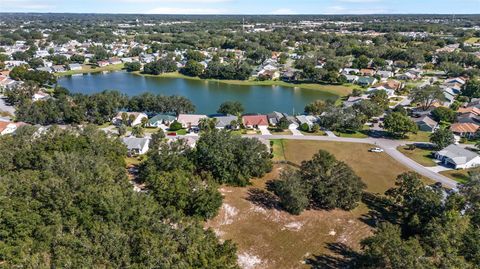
column 137, row 131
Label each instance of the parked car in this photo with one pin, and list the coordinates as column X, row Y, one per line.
column 172, row 134
column 376, row 150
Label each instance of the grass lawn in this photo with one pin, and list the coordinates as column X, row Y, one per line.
column 319, row 133
column 275, row 131
column 419, row 137
column 421, row 156
column 359, row 134
column 276, row 239
column 338, row 90
column 472, row 40
column 278, row 149
column 91, row 69
column 132, row 161
column 460, row 176
column 180, row 132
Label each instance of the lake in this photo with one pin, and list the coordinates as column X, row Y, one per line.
column 206, row 95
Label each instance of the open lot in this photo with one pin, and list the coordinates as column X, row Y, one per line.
column 460, row 176
column 270, row 238
column 421, row 156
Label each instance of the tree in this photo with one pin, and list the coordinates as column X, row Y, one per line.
column 387, row 249
column 426, row 96
column 283, row 123
column 442, row 137
column 380, row 98
column 156, row 139
column 231, row 159
column 231, row 108
column 444, row 114
column 190, row 194
column 75, row 179
column 137, row 131
column 122, row 130
column 471, row 89
column 133, row 66
column 292, row 192
column 192, row 68
column 331, row 183
column 361, row 62
column 316, row 108
column 175, row 126
column 304, row 127
column 399, row 124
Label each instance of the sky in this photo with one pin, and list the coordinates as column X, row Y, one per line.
column 245, row 6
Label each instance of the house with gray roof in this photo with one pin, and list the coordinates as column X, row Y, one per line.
column 457, row 157
column 135, row 145
column 225, row 122
column 366, row 81
column 426, row 124
column 157, row 120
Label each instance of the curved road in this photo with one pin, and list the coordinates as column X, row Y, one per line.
column 390, row 147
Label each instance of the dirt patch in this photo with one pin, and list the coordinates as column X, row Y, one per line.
column 268, row 237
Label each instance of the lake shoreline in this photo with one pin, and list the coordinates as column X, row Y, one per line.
column 207, row 95
column 338, row 90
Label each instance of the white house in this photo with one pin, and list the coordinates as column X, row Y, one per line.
column 458, row 157
column 117, row 120
column 136, row 146
column 190, row 120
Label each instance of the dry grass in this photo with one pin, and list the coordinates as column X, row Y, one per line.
column 271, row 238
column 460, row 176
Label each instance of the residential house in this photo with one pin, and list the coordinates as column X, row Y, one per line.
column 6, row 82
column 306, row 119
column 355, row 99
column 426, row 124
column 161, row 119
column 255, row 121
column 137, row 118
column 8, row 127
column 58, row 68
column 75, row 66
column 385, row 74
column 190, row 120
column 40, row 96
column 225, row 122
column 103, row 63
column 467, row 130
column 366, row 81
column 458, row 80
column 389, row 86
column 350, row 71
column 351, row 78
column 457, row 157
column 135, row 145
column 274, row 117
column 367, row 72
column 114, row 60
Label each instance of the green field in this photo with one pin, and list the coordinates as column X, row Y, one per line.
column 339, row 90
column 91, row 69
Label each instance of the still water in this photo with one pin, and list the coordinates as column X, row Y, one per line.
column 206, row 95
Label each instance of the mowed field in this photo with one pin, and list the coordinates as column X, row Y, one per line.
column 270, row 238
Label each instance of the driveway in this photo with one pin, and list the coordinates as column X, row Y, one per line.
column 295, row 131
column 264, row 130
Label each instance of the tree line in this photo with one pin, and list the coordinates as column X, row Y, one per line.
column 98, row 108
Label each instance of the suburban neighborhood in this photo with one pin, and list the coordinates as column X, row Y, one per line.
column 239, row 141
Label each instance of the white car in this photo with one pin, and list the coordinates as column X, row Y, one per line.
column 377, row 150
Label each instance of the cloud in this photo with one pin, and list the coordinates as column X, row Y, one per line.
column 283, row 11
column 177, row 10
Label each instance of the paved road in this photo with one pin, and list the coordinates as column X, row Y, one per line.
column 390, row 147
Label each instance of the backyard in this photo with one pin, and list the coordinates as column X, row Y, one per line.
column 268, row 237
